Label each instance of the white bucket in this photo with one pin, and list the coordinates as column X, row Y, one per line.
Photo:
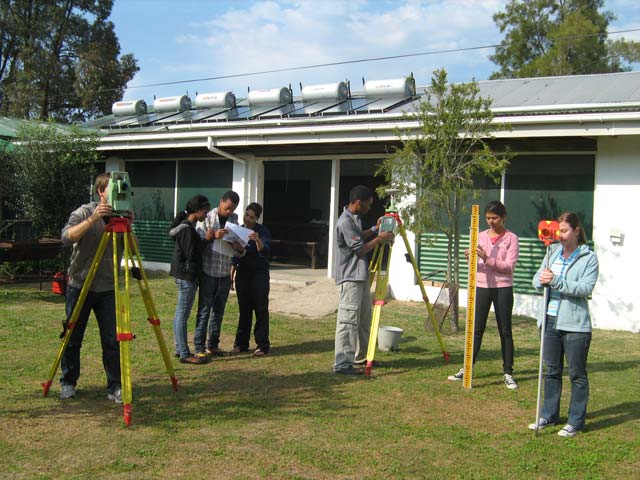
column 389, row 338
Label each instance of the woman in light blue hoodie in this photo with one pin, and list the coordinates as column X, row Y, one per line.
column 571, row 276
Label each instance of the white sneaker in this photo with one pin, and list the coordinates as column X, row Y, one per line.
column 115, row 396
column 67, row 391
column 542, row 423
column 568, row 431
column 457, row 376
column 510, row 382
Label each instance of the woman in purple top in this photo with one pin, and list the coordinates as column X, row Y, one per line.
column 497, row 257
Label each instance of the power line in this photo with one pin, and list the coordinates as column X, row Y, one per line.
column 364, row 60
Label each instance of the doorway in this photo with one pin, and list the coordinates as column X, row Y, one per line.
column 296, row 210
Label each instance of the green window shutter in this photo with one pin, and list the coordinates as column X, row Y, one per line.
column 432, row 257
column 153, row 239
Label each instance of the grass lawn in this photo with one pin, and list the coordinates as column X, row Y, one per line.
column 287, row 416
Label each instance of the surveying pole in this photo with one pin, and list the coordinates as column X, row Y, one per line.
column 548, row 232
column 379, row 272
column 119, row 225
column 471, row 297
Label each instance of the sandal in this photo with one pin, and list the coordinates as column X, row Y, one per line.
column 259, row 353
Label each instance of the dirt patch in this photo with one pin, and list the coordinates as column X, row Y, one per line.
column 316, row 300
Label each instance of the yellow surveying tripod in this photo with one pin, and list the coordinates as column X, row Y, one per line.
column 379, row 271
column 116, row 225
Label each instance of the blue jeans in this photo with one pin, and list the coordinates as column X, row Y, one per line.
column 186, row 296
column 575, row 347
column 104, row 307
column 212, row 299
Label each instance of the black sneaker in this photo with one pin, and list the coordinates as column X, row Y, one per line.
column 456, row 377
column 510, row 382
column 115, row 396
column 349, row 371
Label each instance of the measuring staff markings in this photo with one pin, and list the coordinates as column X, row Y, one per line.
column 471, row 297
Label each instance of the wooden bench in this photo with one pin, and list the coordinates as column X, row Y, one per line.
column 310, row 249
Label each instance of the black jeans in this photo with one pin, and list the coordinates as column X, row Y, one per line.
column 502, row 299
column 104, row 306
column 252, row 288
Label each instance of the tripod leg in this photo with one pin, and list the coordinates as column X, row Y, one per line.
column 382, row 281
column 423, row 290
column 71, row 322
column 374, row 264
column 153, row 318
column 123, row 322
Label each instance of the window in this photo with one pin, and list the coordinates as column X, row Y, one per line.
column 542, row 187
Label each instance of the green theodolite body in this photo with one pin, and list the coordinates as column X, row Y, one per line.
column 388, row 224
column 120, row 193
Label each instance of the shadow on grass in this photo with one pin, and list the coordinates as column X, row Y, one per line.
column 615, row 415
column 596, row 367
column 315, row 346
column 16, row 297
column 225, row 395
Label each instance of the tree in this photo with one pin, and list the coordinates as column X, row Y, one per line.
column 559, row 37
column 59, row 59
column 52, row 169
column 438, row 165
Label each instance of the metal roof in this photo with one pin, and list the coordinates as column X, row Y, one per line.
column 613, row 92
column 579, row 91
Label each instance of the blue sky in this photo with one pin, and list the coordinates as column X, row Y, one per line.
column 190, row 39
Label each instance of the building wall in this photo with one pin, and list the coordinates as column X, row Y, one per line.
column 615, row 303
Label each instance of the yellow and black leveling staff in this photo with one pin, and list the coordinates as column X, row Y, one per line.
column 471, row 297
column 119, row 225
column 379, row 271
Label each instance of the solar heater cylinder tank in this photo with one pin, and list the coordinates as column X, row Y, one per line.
column 395, row 87
column 124, row 108
column 270, row 96
column 216, row 100
column 172, row 104
column 325, row 91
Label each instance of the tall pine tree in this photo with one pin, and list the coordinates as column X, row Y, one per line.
column 559, row 37
column 60, row 59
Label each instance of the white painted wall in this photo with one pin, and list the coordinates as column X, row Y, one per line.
column 616, row 303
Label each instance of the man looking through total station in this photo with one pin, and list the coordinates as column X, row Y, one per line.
column 84, row 230
column 352, row 277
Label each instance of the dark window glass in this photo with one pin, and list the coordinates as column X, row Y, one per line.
column 542, row 187
column 211, row 178
column 153, row 188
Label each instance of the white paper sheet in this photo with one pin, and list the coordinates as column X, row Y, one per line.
column 237, row 234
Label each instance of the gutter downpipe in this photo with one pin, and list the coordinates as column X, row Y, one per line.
column 212, row 148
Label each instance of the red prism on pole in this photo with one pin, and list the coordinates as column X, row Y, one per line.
column 548, row 232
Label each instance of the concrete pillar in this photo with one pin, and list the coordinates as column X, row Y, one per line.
column 334, row 213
